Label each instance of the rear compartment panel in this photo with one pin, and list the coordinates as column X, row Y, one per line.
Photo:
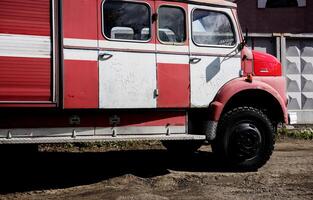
column 25, row 51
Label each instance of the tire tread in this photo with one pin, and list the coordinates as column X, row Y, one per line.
column 217, row 144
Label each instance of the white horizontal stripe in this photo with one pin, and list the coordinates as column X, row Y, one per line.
column 126, row 45
column 80, row 42
column 173, row 48
column 78, row 54
column 173, row 59
column 14, row 45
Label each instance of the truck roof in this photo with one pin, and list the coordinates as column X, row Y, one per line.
column 223, row 3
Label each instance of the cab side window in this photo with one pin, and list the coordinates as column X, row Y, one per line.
column 212, row 28
column 171, row 24
column 126, row 21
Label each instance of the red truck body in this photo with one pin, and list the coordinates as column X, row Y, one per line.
column 73, row 70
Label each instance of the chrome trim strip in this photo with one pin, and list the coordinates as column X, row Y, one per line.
column 68, row 131
column 41, row 140
column 292, row 117
column 54, row 51
column 44, row 132
column 133, row 130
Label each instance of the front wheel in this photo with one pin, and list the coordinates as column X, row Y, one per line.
column 245, row 138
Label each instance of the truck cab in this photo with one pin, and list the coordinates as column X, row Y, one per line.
column 103, row 70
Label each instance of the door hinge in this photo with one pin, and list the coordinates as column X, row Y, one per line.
column 156, row 93
column 154, row 17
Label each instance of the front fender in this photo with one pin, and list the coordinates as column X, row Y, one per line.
column 274, row 86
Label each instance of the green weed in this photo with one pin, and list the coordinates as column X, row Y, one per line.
column 303, row 133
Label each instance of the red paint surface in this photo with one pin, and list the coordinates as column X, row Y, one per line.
column 266, row 64
column 25, row 79
column 25, row 17
column 41, row 118
column 99, row 20
column 173, row 84
column 144, row 118
column 272, row 85
column 28, row 105
column 278, row 83
column 80, row 19
column 81, row 84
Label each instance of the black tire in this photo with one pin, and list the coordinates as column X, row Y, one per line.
column 245, row 138
column 182, row 146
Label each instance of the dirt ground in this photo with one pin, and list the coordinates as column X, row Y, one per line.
column 155, row 174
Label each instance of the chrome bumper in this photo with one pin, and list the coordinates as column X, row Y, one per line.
column 292, row 117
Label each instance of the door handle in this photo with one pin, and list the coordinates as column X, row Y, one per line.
column 194, row 60
column 105, row 56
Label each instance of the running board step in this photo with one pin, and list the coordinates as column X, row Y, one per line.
column 41, row 140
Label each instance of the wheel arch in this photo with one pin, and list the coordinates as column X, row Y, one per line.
column 257, row 93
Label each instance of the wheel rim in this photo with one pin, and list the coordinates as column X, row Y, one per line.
column 245, row 141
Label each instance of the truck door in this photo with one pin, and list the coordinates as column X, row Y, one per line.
column 214, row 55
column 127, row 60
column 172, row 55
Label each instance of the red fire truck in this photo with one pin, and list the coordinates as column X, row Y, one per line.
column 170, row 70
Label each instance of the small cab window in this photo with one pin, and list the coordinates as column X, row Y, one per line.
column 212, row 28
column 126, row 21
column 171, row 24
